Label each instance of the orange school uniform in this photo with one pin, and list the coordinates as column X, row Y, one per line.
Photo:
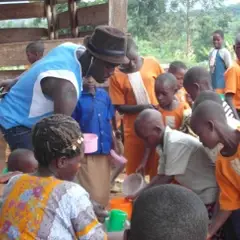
column 228, row 179
column 181, row 95
column 232, row 85
column 121, row 93
column 174, row 118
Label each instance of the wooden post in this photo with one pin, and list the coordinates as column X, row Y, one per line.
column 118, row 14
column 72, row 8
column 49, row 19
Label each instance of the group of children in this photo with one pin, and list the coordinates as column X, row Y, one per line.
column 178, row 115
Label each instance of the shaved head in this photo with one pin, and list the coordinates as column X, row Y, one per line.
column 198, row 75
column 207, row 95
column 208, row 121
column 149, row 126
column 176, row 66
column 208, row 111
column 167, row 79
column 148, row 116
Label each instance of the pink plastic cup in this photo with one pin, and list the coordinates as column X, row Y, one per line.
column 90, row 142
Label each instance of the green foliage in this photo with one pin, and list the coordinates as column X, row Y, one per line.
column 181, row 29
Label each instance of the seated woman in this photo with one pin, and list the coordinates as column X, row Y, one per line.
column 46, row 205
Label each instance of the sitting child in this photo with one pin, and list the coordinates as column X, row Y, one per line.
column 172, row 110
column 94, row 113
column 178, row 69
column 22, row 160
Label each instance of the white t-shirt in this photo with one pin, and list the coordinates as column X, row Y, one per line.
column 184, row 157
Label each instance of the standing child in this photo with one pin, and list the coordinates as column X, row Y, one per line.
column 171, row 108
column 178, row 69
column 132, row 90
column 232, row 77
column 94, row 113
column 182, row 158
column 210, row 124
column 219, row 62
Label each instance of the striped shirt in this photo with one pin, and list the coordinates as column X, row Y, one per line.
column 227, row 109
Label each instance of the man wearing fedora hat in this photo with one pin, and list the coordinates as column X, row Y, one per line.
column 54, row 83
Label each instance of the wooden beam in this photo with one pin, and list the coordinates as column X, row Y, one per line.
column 13, row 54
column 118, row 14
column 86, row 16
column 22, row 10
column 93, row 15
column 9, row 35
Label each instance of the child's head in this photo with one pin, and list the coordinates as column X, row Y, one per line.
column 237, row 46
column 165, row 89
column 149, row 126
column 208, row 121
column 58, row 145
column 22, row 160
column 132, row 54
column 196, row 80
column 34, row 51
column 89, row 84
column 178, row 69
column 218, row 39
column 207, row 95
column 168, row 212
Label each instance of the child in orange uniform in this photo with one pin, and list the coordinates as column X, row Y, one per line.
column 171, row 108
column 232, row 80
column 178, row 69
column 209, row 122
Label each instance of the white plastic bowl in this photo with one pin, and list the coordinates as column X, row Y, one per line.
column 90, row 142
column 132, row 184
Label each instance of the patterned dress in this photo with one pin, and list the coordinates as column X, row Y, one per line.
column 47, row 208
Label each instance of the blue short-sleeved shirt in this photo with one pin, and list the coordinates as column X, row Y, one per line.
column 94, row 115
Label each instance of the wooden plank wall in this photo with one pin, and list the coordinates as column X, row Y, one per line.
column 22, row 11
column 14, row 41
column 13, row 54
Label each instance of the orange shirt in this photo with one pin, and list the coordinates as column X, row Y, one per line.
column 173, row 118
column 121, row 91
column 181, row 95
column 229, row 181
column 232, row 78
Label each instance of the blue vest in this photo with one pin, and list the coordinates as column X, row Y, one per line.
column 26, row 104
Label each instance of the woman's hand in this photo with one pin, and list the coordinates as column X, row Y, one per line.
column 100, row 211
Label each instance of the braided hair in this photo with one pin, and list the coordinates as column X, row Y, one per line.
column 55, row 137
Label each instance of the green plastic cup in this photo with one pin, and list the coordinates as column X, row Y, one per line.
column 116, row 221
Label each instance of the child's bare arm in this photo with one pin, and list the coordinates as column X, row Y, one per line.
column 118, row 169
column 159, row 179
column 141, row 167
column 220, row 218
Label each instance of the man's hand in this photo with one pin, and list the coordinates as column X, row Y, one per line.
column 100, row 211
column 7, row 84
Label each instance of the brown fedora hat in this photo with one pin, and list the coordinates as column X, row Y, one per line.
column 108, row 44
